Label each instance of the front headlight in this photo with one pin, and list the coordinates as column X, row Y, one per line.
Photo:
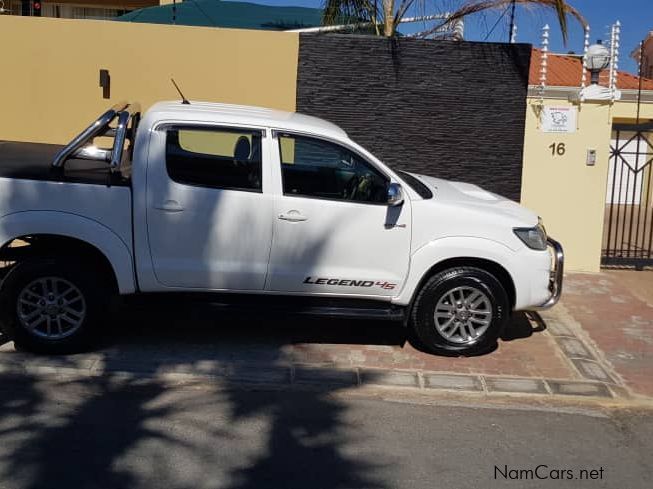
column 534, row 238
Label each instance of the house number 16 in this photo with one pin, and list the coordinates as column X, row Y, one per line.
column 557, row 149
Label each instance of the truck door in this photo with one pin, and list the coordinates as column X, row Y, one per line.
column 333, row 230
column 209, row 221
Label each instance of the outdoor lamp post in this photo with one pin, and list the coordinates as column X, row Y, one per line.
column 598, row 58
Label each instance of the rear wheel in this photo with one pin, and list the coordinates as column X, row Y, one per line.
column 460, row 310
column 52, row 306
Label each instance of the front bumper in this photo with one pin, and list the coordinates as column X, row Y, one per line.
column 555, row 279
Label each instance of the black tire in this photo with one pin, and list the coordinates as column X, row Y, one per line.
column 438, row 288
column 83, row 276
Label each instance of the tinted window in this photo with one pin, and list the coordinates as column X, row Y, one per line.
column 316, row 168
column 220, row 158
column 422, row 190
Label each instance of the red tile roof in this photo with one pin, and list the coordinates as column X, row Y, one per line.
column 565, row 71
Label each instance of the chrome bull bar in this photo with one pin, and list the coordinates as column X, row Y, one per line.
column 555, row 279
column 80, row 147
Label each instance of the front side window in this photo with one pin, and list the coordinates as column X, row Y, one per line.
column 218, row 158
column 321, row 169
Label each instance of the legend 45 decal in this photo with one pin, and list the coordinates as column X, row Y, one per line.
column 348, row 283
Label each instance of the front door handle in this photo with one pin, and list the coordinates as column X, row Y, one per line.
column 293, row 216
column 170, row 206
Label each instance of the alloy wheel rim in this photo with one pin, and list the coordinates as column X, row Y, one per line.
column 51, row 307
column 463, row 315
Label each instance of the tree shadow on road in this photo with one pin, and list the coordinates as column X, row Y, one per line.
column 303, row 450
column 77, row 442
column 122, row 432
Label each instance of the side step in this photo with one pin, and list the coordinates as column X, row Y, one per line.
column 382, row 314
column 252, row 304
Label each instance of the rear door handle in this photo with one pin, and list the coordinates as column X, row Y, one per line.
column 170, row 206
column 293, row 216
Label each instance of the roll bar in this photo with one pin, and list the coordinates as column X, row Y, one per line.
column 80, row 148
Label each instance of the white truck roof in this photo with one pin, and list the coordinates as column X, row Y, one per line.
column 243, row 114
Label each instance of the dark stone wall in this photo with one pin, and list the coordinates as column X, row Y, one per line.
column 450, row 109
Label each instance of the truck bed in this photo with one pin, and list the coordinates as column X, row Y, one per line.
column 33, row 161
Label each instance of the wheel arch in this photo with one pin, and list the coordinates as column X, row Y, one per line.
column 47, row 233
column 48, row 245
column 492, row 267
column 454, row 252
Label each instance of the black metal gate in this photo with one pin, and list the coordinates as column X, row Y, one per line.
column 628, row 227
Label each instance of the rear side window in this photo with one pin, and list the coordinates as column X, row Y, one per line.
column 217, row 158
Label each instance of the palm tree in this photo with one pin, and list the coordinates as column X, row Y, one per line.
column 385, row 18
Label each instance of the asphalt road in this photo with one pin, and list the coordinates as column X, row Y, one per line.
column 134, row 434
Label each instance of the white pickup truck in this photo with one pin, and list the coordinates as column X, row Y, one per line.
column 256, row 207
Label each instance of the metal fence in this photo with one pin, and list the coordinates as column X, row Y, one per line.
column 628, row 228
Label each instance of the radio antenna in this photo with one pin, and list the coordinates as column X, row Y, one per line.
column 184, row 100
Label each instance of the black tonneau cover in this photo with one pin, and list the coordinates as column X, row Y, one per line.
column 33, row 161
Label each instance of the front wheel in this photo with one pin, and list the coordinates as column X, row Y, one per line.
column 461, row 311
column 51, row 306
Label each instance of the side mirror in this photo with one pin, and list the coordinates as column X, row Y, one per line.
column 395, row 195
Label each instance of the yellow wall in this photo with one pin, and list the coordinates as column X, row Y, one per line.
column 217, row 143
column 627, row 111
column 568, row 194
column 49, row 88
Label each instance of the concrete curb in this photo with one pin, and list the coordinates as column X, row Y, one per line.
column 316, row 377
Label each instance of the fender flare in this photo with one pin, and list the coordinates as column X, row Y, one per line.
column 115, row 250
column 455, row 247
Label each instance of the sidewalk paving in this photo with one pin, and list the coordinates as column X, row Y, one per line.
column 615, row 310
column 597, row 342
